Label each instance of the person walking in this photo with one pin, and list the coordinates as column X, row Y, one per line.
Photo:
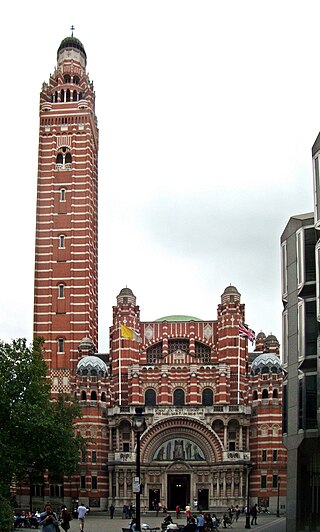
column 65, row 518
column 82, row 510
column 48, row 519
column 254, row 513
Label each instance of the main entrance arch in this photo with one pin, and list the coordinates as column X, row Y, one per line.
column 178, row 455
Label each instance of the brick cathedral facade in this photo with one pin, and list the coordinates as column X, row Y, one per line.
column 212, row 410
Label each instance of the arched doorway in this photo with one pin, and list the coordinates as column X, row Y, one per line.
column 178, row 491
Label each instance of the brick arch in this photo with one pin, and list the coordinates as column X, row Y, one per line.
column 183, row 427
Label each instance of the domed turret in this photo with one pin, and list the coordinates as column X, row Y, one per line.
column 126, row 297
column 71, row 42
column 86, row 346
column 91, row 366
column 230, row 295
column 272, row 340
column 271, row 344
column 71, row 48
column 260, row 342
column 266, row 363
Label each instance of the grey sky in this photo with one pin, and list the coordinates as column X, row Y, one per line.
column 207, row 113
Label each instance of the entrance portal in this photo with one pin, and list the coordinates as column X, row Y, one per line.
column 178, row 491
column 203, row 499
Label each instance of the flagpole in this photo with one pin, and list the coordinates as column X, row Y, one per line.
column 238, row 367
column 119, row 387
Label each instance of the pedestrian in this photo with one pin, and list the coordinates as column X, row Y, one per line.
column 188, row 512
column 177, row 511
column 111, row 509
column 65, row 518
column 48, row 519
column 82, row 510
column 200, row 522
column 254, row 513
column 238, row 511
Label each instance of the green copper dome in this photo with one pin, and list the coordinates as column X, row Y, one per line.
column 72, row 42
column 178, row 317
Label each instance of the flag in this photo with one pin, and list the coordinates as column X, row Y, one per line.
column 246, row 332
column 126, row 332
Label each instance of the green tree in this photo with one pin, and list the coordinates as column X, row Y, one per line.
column 34, row 430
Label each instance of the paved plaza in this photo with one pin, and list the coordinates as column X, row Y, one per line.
column 102, row 523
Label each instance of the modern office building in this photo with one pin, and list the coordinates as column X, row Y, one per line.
column 300, row 296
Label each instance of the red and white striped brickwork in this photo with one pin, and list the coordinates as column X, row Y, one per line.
column 66, row 262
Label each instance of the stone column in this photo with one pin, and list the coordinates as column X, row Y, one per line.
column 240, row 438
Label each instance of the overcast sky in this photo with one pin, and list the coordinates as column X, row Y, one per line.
column 207, row 112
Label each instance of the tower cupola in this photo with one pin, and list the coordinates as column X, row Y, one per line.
column 72, row 48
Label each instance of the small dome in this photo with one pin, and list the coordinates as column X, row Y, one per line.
column 126, row 297
column 231, row 290
column 126, row 292
column 86, row 345
column 272, row 340
column 266, row 363
column 91, row 366
column 260, row 336
column 178, row 317
column 71, row 42
column 230, row 295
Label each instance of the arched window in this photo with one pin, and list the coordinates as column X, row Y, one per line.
column 207, row 397
column 62, row 95
column 62, row 194
column 275, row 394
column 255, row 395
column 93, row 396
column 76, row 80
column 150, row 397
column 178, row 397
column 68, row 95
column 59, row 159
column 68, row 158
column 103, row 397
column 264, row 393
column 75, row 96
column 83, row 396
column 67, row 78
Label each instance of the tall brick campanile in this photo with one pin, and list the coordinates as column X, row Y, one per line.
column 66, row 254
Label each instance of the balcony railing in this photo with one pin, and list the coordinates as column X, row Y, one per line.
column 122, row 457
column 200, row 412
column 234, row 456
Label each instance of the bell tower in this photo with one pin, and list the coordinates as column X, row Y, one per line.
column 66, row 247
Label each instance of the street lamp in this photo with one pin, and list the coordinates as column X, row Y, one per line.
column 138, row 426
column 249, row 469
column 278, row 500
column 30, row 469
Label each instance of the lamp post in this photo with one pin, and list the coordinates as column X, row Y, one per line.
column 138, row 426
column 249, row 468
column 30, row 469
column 278, row 499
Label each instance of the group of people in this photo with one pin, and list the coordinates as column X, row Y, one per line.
column 203, row 522
column 128, row 511
column 48, row 519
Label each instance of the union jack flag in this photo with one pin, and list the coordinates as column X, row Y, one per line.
column 246, row 332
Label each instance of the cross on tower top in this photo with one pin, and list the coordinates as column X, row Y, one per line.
column 72, row 30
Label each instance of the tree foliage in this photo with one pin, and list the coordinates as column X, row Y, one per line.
column 34, row 430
